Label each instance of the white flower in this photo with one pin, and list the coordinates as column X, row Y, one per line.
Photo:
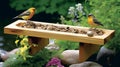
column 79, row 7
column 79, row 4
column 71, row 10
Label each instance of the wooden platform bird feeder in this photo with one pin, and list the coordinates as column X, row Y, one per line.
column 40, row 32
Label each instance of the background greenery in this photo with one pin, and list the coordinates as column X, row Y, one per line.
column 107, row 11
column 47, row 6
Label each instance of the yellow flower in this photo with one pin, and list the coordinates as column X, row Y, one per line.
column 24, row 41
column 23, row 52
column 16, row 42
column 21, row 36
column 24, row 46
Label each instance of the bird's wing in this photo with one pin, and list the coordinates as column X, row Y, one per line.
column 25, row 13
column 97, row 22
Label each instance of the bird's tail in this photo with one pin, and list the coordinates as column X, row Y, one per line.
column 16, row 17
column 101, row 24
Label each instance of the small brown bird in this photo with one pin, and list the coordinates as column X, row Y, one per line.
column 93, row 22
column 26, row 15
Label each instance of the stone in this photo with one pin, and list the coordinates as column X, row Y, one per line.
column 105, row 56
column 86, row 64
column 105, row 52
column 70, row 56
column 5, row 55
column 90, row 33
column 1, row 64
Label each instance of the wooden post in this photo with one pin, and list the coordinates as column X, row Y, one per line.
column 37, row 44
column 86, row 50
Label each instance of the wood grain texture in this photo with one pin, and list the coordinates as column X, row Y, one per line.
column 99, row 40
column 40, row 44
column 86, row 50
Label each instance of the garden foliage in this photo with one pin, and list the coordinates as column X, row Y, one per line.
column 38, row 60
column 48, row 6
column 22, row 58
column 107, row 11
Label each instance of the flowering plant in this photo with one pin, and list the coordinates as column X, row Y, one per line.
column 75, row 14
column 24, row 47
column 54, row 62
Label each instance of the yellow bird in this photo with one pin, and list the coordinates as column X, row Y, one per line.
column 26, row 15
column 93, row 22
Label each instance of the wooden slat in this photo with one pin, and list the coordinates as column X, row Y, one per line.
column 100, row 40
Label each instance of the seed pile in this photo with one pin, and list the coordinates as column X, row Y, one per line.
column 58, row 28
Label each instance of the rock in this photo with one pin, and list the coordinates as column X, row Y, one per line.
column 105, row 52
column 2, row 54
column 86, row 64
column 13, row 51
column 105, row 56
column 1, row 64
column 5, row 55
column 90, row 33
column 70, row 56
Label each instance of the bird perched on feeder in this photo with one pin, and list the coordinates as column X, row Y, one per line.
column 26, row 15
column 93, row 22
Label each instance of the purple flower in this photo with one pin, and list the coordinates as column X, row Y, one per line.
column 54, row 62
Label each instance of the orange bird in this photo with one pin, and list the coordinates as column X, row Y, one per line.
column 93, row 22
column 26, row 15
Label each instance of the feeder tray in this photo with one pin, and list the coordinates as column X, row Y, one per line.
column 43, row 31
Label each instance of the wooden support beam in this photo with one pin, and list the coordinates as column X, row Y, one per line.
column 37, row 44
column 86, row 50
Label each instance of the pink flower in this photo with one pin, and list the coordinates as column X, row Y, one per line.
column 54, row 62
